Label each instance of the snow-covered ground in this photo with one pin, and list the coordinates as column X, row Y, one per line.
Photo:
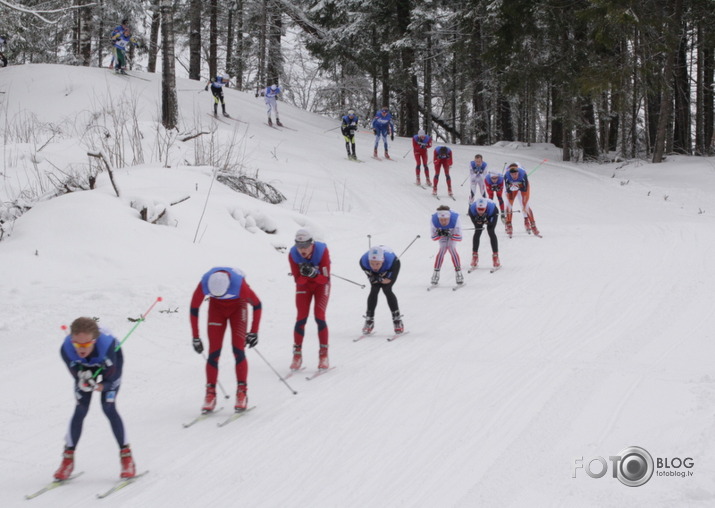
column 596, row 337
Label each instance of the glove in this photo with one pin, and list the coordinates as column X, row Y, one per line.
column 392, row 136
column 308, row 270
column 443, row 232
column 206, row 89
column 85, row 381
column 375, row 279
column 198, row 345
column 374, row 131
column 251, row 339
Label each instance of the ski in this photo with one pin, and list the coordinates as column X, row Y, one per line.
column 121, row 484
column 363, row 336
column 355, row 160
column 52, row 485
column 235, row 416
column 135, row 76
column 272, row 126
column 433, row 286
column 234, row 119
column 292, row 373
column 436, row 196
column 319, row 372
column 376, row 157
column 458, row 286
column 495, row 269
column 396, row 336
column 289, row 128
column 218, row 119
column 201, row 417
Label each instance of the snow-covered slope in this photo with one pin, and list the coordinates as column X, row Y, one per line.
column 596, row 337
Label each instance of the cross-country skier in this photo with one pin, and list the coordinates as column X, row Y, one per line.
column 310, row 266
column 121, row 39
column 447, row 230
column 477, row 168
column 494, row 183
column 442, row 160
column 217, row 85
column 271, row 94
column 87, row 350
column 484, row 214
column 516, row 182
column 229, row 294
column 421, row 142
column 383, row 127
column 381, row 266
column 348, row 127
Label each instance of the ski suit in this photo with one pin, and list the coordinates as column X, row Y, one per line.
column 308, row 289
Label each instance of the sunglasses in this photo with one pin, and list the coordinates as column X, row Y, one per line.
column 513, row 170
column 84, row 345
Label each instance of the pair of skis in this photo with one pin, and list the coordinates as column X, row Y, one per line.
column 204, row 415
column 440, row 199
column 120, row 484
column 454, row 288
column 390, row 338
column 491, row 270
column 317, row 373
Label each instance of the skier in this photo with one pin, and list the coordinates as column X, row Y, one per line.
column 271, row 93
column 484, row 213
column 348, row 128
column 382, row 126
column 442, row 159
column 228, row 294
column 477, row 167
column 121, row 39
column 86, row 351
column 217, row 85
column 381, row 266
column 494, row 183
column 516, row 181
column 421, row 142
column 447, row 230
column 310, row 266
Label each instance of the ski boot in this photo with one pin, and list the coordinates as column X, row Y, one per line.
column 374, row 153
column 323, row 357
column 270, row 122
column 67, row 465
column 226, row 115
column 210, row 399
column 278, row 122
column 509, row 229
column 527, row 225
column 534, row 229
column 369, row 325
column 495, row 260
column 297, row 358
column 458, row 276
column 241, row 398
column 397, row 322
column 387, row 155
column 129, row 470
column 435, row 277
column 475, row 260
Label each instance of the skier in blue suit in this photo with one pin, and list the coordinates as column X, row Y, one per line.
column 382, row 127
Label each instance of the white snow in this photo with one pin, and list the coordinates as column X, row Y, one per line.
column 596, row 337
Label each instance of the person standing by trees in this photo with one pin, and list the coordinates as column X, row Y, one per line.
column 477, row 167
column 271, row 94
column 228, row 294
column 484, row 213
column 382, row 127
column 516, row 182
column 442, row 159
column 310, row 266
column 121, row 39
column 217, row 85
column 421, row 142
column 447, row 230
column 95, row 360
column 381, row 266
column 348, row 127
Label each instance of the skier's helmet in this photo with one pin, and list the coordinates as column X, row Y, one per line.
column 218, row 283
column 377, row 254
column 303, row 238
column 481, row 205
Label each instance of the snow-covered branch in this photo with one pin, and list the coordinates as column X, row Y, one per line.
column 38, row 13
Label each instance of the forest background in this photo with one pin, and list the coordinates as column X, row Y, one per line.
column 600, row 79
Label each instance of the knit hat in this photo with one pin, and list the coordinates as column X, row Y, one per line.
column 303, row 238
column 218, row 283
column 376, row 254
column 273, row 87
column 421, row 133
column 444, row 214
column 481, row 205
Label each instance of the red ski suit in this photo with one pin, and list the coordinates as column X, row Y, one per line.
column 307, row 289
column 442, row 161
column 223, row 311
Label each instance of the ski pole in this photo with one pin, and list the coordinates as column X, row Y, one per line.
column 410, row 245
column 218, row 381
column 369, row 242
column 537, row 167
column 332, row 129
column 465, row 180
column 274, row 370
column 362, row 286
column 408, row 151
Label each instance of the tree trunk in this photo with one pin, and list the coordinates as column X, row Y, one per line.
column 428, row 84
column 169, row 102
column 85, row 41
column 274, row 68
column 154, row 40
column 213, row 38
column 237, row 65
column 194, row 39
column 682, row 136
column 588, row 139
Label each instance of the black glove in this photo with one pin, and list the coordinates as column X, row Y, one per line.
column 374, row 131
column 251, row 339
column 392, row 136
column 375, row 279
column 443, row 232
column 206, row 88
column 85, row 381
column 308, row 270
column 198, row 346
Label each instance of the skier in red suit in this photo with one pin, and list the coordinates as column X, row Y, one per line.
column 442, row 159
column 228, row 294
column 310, row 265
column 421, row 142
